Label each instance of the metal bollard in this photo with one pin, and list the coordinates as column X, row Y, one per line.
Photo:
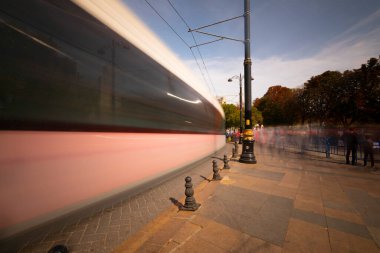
column 225, row 160
column 216, row 176
column 233, row 152
column 190, row 203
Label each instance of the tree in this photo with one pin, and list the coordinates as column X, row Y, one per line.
column 275, row 106
column 357, row 95
column 319, row 95
column 369, row 105
column 257, row 117
column 344, row 110
column 232, row 114
column 331, row 97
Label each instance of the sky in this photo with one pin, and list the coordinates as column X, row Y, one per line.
column 291, row 40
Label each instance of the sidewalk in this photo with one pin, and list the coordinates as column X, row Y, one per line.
column 284, row 203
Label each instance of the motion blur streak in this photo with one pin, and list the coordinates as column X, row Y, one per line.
column 61, row 171
column 139, row 35
column 85, row 115
column 183, row 99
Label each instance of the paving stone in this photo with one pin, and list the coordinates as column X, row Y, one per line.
column 306, row 237
column 308, row 198
column 310, row 217
column 220, row 235
column 339, row 205
column 291, row 180
column 252, row 244
column 275, row 176
column 173, row 230
column 284, row 191
column 257, row 214
column 367, row 206
column 344, row 215
column 169, row 247
column 196, row 244
column 75, row 237
column 45, row 246
column 348, row 227
column 309, row 203
column 345, row 242
column 186, row 231
column 231, row 199
column 93, row 237
column 149, row 248
column 375, row 233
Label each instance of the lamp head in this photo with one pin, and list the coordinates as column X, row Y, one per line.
column 229, row 79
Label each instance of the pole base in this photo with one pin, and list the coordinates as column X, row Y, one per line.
column 247, row 155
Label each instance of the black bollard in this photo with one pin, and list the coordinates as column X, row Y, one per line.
column 236, row 148
column 58, row 249
column 190, row 203
column 225, row 160
column 216, row 176
column 234, row 153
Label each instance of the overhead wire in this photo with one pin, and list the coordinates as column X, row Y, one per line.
column 216, row 23
column 179, row 36
column 196, row 43
column 167, row 23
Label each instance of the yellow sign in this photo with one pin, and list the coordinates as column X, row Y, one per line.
column 247, row 122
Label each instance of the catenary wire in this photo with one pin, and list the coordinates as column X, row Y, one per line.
column 203, row 76
column 195, row 41
column 167, row 23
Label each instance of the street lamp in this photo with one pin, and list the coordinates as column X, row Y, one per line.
column 240, row 99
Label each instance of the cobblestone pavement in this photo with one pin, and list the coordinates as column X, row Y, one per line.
column 104, row 230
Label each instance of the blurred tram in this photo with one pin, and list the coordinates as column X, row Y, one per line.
column 92, row 105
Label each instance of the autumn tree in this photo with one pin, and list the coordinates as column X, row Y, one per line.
column 331, row 97
column 275, row 106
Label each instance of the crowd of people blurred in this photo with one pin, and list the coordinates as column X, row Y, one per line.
column 353, row 143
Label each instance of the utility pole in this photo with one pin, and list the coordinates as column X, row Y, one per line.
column 247, row 155
column 241, row 116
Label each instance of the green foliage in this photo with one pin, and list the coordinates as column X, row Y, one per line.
column 257, row 117
column 232, row 114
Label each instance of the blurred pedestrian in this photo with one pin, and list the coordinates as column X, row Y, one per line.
column 368, row 150
column 328, row 144
column 352, row 146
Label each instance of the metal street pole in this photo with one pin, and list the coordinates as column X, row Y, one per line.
column 241, row 111
column 247, row 155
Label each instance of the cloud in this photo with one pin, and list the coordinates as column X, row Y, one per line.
column 347, row 50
